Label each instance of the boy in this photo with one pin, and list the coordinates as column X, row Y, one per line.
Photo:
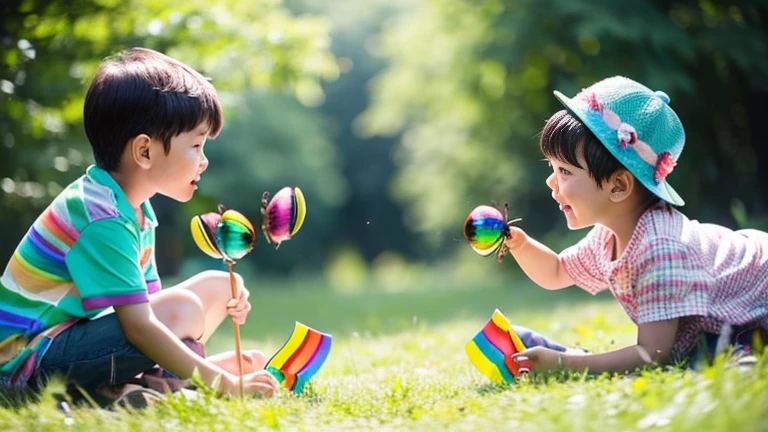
column 81, row 295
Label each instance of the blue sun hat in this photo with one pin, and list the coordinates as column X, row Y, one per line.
column 637, row 126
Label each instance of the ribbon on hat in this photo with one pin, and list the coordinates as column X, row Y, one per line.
column 662, row 163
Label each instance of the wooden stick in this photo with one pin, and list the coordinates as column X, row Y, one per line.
column 238, row 352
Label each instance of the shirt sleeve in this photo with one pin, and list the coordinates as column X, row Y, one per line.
column 582, row 261
column 150, row 275
column 104, row 265
column 671, row 283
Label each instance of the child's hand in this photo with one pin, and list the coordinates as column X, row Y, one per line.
column 260, row 383
column 238, row 308
column 540, row 358
column 517, row 238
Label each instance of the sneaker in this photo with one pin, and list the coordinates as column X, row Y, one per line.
column 137, row 397
column 742, row 357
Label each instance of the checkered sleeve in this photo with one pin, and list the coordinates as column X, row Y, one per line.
column 582, row 262
column 671, row 282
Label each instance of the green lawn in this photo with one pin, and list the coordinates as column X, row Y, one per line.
column 398, row 363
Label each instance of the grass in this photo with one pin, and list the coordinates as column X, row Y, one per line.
column 398, row 363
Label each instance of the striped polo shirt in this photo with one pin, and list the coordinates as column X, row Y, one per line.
column 83, row 254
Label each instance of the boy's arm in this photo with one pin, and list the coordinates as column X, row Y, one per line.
column 156, row 341
column 540, row 263
column 654, row 344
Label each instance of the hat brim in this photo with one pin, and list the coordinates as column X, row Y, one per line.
column 608, row 138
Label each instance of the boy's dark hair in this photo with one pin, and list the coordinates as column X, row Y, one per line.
column 141, row 91
column 561, row 139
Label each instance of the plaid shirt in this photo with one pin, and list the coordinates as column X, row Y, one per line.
column 706, row 275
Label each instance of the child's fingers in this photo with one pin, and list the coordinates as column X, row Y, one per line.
column 239, row 308
column 261, row 389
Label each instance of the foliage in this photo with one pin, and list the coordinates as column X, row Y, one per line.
column 50, row 49
column 469, row 85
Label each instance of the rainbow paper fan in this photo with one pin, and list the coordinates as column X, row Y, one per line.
column 300, row 358
column 492, row 348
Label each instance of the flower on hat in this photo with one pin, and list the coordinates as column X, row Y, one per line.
column 627, row 137
column 591, row 99
column 664, row 166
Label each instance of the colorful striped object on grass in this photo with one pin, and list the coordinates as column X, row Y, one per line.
column 491, row 350
column 300, row 357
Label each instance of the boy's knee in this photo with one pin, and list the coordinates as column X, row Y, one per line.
column 219, row 277
column 214, row 276
column 218, row 285
column 187, row 317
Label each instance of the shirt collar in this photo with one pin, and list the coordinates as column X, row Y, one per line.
column 101, row 176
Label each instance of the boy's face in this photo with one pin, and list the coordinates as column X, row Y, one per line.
column 580, row 199
column 176, row 174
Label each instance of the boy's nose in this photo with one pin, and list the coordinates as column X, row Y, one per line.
column 552, row 181
column 203, row 162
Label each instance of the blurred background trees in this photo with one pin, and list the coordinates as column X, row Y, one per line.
column 395, row 117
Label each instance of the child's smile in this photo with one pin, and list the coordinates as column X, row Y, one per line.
column 576, row 193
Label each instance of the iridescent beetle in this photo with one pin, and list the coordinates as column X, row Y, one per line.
column 226, row 235
column 283, row 215
column 486, row 228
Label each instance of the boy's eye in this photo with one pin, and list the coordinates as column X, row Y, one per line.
column 564, row 171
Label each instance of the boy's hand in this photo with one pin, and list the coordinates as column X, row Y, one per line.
column 238, row 308
column 540, row 358
column 516, row 239
column 260, row 383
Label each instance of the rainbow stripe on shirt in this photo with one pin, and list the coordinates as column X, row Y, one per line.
column 37, row 292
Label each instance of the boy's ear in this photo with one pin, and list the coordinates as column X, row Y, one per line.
column 622, row 184
column 141, row 151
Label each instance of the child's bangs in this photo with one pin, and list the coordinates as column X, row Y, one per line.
column 183, row 112
column 561, row 136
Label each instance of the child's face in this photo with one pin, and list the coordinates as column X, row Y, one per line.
column 581, row 200
column 177, row 173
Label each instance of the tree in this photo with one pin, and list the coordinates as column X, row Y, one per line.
column 470, row 84
column 50, row 49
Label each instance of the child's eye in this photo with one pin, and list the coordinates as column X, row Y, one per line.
column 564, row 171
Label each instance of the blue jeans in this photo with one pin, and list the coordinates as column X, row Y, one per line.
column 742, row 340
column 93, row 354
column 531, row 338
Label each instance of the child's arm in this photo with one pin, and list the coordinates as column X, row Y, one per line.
column 156, row 341
column 540, row 263
column 654, row 344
